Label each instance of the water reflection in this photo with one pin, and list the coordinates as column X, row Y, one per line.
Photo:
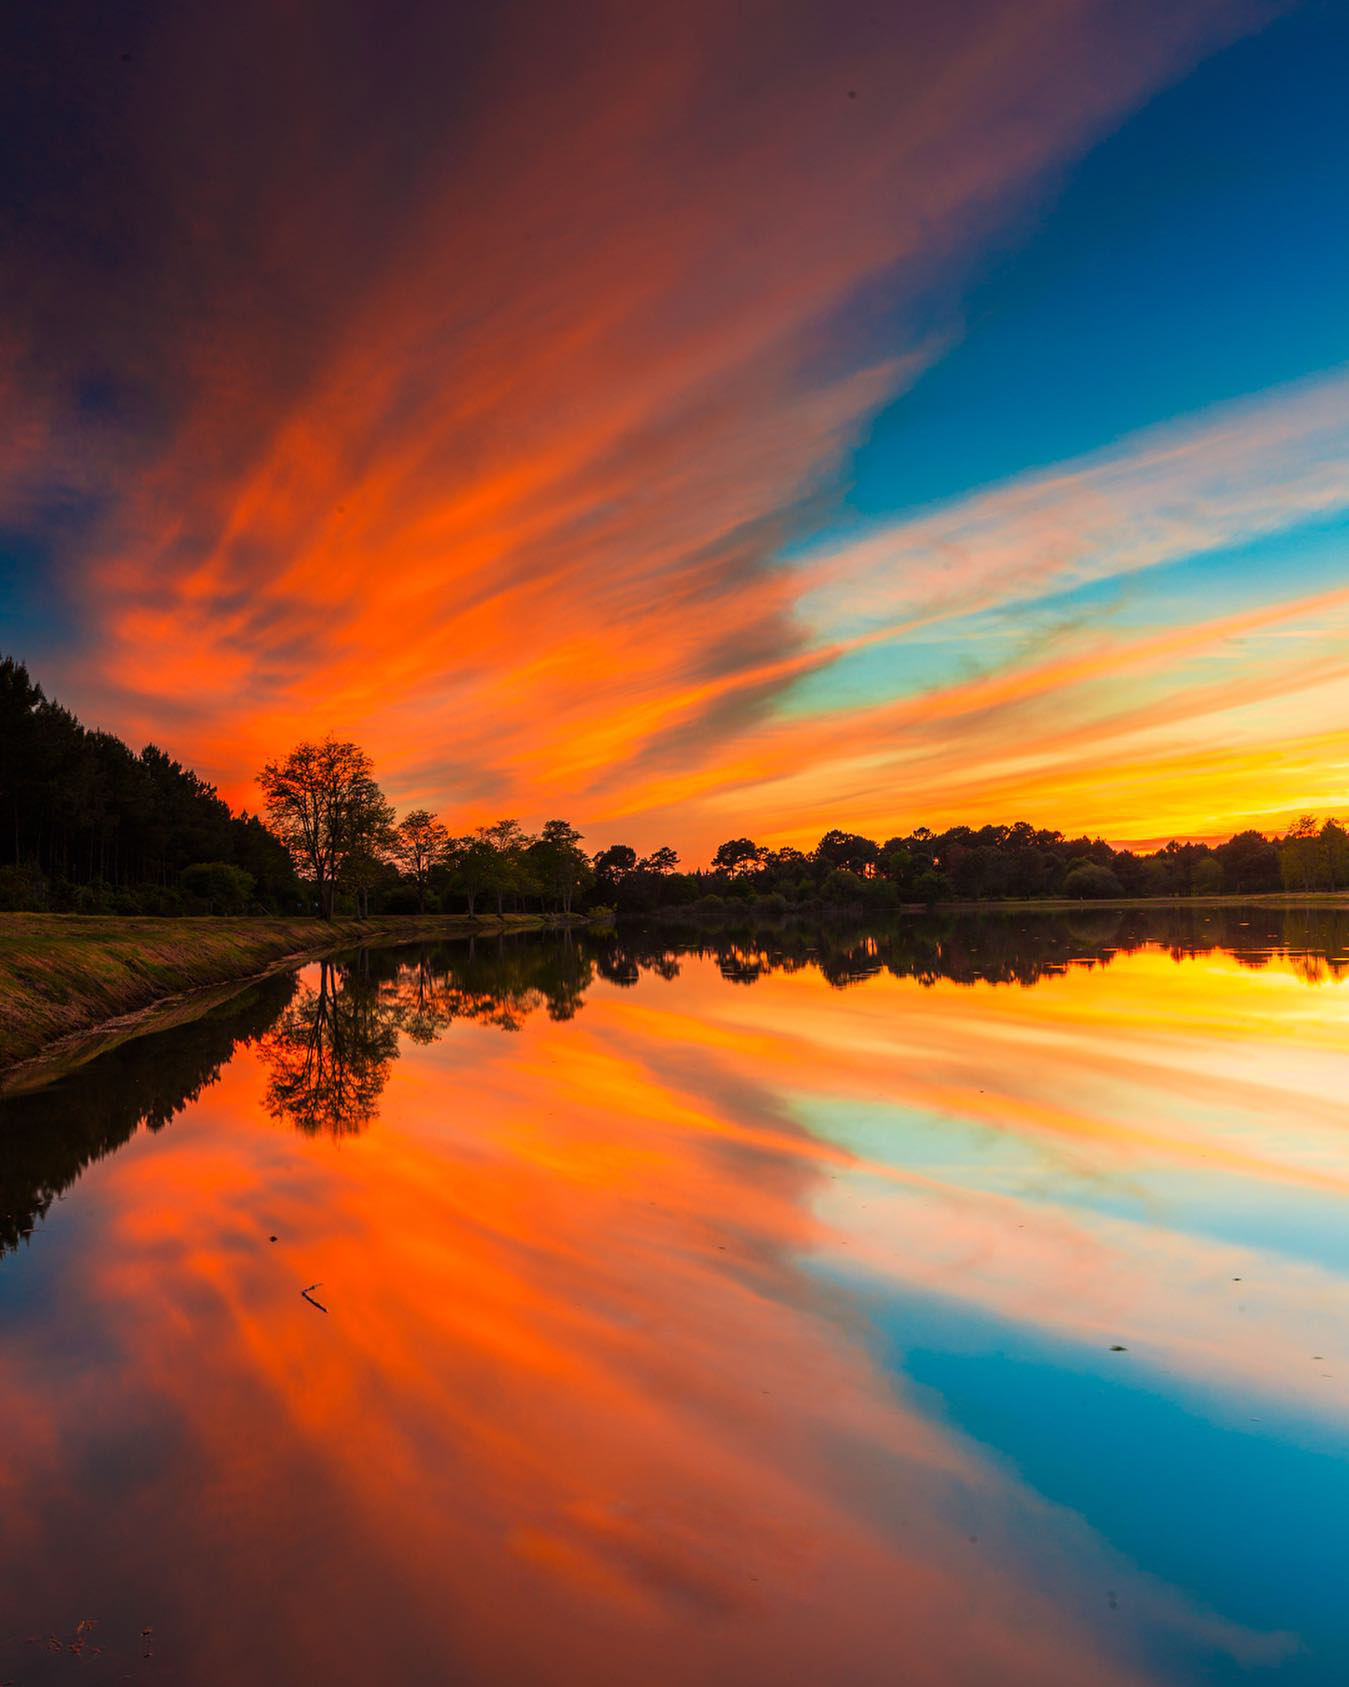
column 954, row 1303
column 48, row 1138
column 328, row 1054
column 329, row 1037
column 1014, row 947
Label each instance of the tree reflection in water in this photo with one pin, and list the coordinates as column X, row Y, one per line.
column 329, row 1054
column 329, row 1043
column 51, row 1135
column 1010, row 945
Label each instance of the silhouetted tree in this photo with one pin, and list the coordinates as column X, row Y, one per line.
column 471, row 869
column 847, row 850
column 737, row 856
column 419, row 844
column 558, row 863
column 1298, row 854
column 1250, row 862
column 323, row 803
column 507, row 870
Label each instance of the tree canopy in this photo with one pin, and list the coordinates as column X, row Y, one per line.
column 322, row 801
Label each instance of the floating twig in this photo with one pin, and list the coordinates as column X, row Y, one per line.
column 309, row 1297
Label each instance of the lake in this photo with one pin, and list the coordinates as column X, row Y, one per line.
column 948, row 1302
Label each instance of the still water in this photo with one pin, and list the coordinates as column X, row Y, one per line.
column 941, row 1304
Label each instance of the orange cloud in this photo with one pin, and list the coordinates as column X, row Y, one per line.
column 480, row 435
column 1116, row 730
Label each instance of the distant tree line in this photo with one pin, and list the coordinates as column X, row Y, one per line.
column 89, row 825
column 968, row 864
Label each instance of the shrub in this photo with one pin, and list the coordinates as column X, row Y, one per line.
column 161, row 901
column 842, row 887
column 23, row 890
column 880, row 893
column 1090, row 880
column 221, row 887
column 402, row 899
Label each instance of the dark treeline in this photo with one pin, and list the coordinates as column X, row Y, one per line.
column 88, row 825
column 966, row 864
column 52, row 1134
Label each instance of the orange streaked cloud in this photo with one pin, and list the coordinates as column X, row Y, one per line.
column 485, row 446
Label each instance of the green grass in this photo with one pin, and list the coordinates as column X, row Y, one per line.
column 65, row 973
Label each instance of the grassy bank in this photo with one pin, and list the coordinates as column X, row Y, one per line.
column 62, row 974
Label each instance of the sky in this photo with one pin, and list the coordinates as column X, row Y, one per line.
column 692, row 421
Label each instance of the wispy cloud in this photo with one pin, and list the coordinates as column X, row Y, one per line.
column 480, row 435
column 1229, row 477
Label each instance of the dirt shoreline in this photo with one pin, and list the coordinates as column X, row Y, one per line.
column 71, row 985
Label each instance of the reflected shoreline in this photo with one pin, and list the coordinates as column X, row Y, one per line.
column 328, row 1035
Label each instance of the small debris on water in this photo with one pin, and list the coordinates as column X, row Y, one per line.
column 309, row 1297
column 1118, row 1349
